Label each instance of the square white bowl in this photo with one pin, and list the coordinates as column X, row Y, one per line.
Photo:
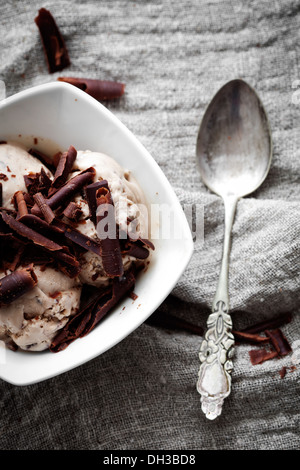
column 60, row 115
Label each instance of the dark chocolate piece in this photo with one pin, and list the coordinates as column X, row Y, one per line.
column 258, row 356
column 55, row 50
column 21, row 204
column 16, row 284
column 30, row 234
column 73, row 212
column 110, row 244
column 67, row 191
column 244, row 337
column 90, row 315
column 79, row 238
column 134, row 249
column 101, row 90
column 1, row 194
column 46, row 211
column 90, row 192
column 279, row 341
column 64, row 167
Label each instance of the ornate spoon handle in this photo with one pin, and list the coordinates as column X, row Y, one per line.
column 214, row 380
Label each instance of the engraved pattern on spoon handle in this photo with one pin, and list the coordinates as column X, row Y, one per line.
column 214, row 380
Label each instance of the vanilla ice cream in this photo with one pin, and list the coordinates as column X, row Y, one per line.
column 15, row 162
column 130, row 205
column 32, row 320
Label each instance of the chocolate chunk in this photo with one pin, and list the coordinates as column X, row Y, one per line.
column 110, row 244
column 91, row 314
column 258, row 356
column 30, row 234
column 136, row 250
column 37, row 182
column 67, row 191
column 64, row 167
column 21, row 204
column 279, row 341
column 90, row 192
column 89, row 244
column 73, row 212
column 16, row 284
column 46, row 211
column 55, row 50
column 101, row 90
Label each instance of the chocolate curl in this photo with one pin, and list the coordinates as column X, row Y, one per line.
column 67, row 191
column 258, row 356
column 90, row 192
column 21, row 204
column 37, row 182
column 54, row 46
column 87, row 318
column 46, row 211
column 135, row 250
column 78, row 238
column 16, row 284
column 110, row 244
column 64, row 167
column 279, row 342
column 73, row 212
column 101, row 90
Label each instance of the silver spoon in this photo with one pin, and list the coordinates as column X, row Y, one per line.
column 234, row 151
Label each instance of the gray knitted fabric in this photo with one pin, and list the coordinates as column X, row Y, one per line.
column 173, row 57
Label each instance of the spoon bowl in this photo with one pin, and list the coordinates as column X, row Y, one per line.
column 234, row 152
column 234, row 147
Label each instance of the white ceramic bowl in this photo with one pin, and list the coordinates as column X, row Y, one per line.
column 60, row 115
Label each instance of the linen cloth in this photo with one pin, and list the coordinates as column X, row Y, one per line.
column 173, row 57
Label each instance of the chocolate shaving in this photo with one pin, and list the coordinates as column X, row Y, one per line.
column 67, row 191
column 89, row 316
column 279, row 342
column 243, row 336
column 55, row 50
column 73, row 212
column 30, row 234
column 46, row 211
column 110, row 244
column 258, row 356
column 135, row 249
column 37, row 182
column 64, row 167
column 21, row 204
column 101, row 90
column 16, row 284
column 89, row 244
column 90, row 192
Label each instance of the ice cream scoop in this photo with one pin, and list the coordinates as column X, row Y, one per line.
column 33, row 320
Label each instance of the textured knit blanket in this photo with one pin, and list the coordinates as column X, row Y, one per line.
column 173, row 57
